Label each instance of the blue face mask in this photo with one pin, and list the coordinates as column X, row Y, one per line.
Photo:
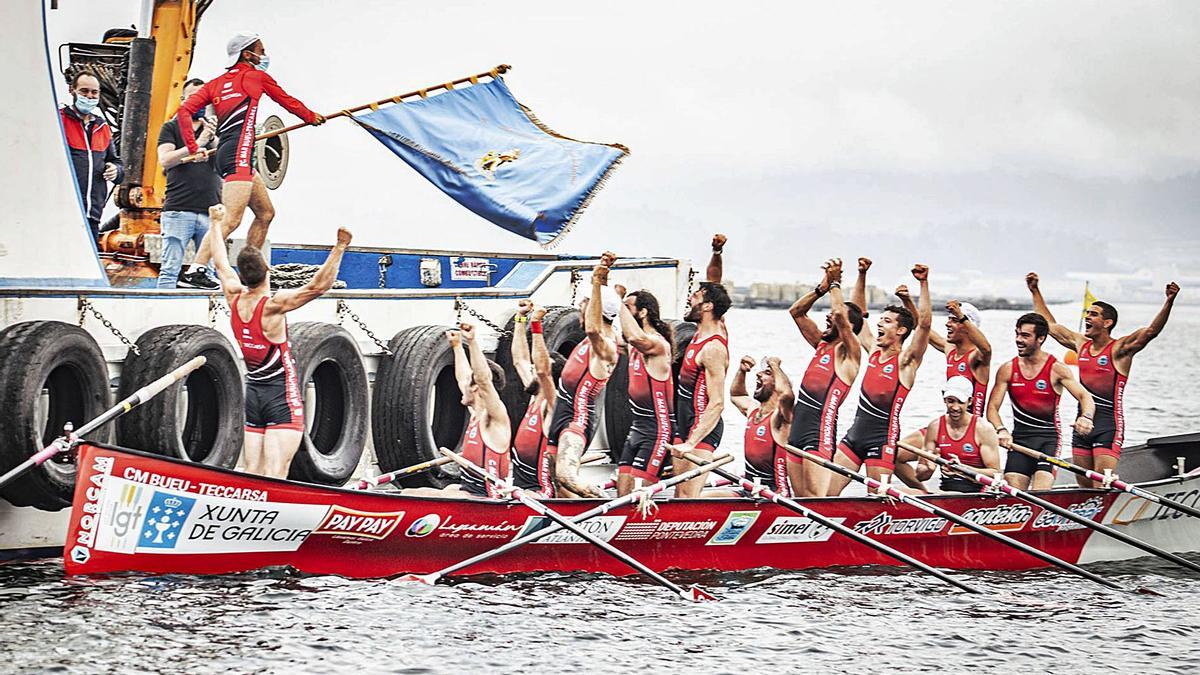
column 199, row 114
column 86, row 105
column 264, row 62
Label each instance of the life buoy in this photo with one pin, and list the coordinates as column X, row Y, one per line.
column 51, row 373
column 201, row 421
column 334, row 384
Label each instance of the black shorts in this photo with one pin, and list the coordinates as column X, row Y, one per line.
column 645, row 454
column 273, row 405
column 228, row 167
column 1019, row 462
column 566, row 418
column 959, row 484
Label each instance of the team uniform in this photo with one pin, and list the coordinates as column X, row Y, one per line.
column 234, row 97
column 965, row 450
column 691, row 394
column 960, row 366
column 1098, row 374
column 530, row 454
column 273, row 398
column 872, row 438
column 652, row 402
column 821, row 393
column 766, row 460
column 491, row 460
column 1035, row 417
column 575, row 405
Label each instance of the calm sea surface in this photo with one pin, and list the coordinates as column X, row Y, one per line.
column 854, row 620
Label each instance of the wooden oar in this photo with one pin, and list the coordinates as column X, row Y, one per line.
column 905, row 498
column 371, row 482
column 1108, row 481
column 65, row 443
column 631, row 498
column 1002, row 486
column 694, row 593
column 834, row 525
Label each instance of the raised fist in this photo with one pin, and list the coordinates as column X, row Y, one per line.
column 864, row 264
column 538, row 314
column 833, row 270
column 746, row 364
column 1031, row 281
column 954, row 309
column 454, row 337
column 344, row 237
column 920, row 272
column 600, row 275
column 773, row 362
column 467, row 330
column 1172, row 290
column 608, row 258
column 621, row 291
column 524, row 307
column 902, row 293
column 718, row 242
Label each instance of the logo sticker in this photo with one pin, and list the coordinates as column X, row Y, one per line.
column 1003, row 518
column 737, row 523
column 491, row 161
column 761, row 431
column 81, row 554
column 164, row 520
column 968, row 448
column 887, row 370
column 603, row 528
column 962, row 367
column 1102, row 361
column 795, row 530
column 344, row 522
column 424, row 526
column 1041, row 385
column 659, row 529
column 825, row 359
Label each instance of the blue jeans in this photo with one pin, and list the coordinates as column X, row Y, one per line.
column 178, row 227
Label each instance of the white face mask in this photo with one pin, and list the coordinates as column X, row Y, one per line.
column 86, row 105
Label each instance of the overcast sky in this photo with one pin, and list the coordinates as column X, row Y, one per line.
column 985, row 138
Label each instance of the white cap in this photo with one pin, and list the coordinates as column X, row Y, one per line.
column 960, row 388
column 610, row 303
column 237, row 44
column 971, row 313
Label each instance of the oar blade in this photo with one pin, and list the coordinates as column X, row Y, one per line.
column 697, row 594
column 427, row 579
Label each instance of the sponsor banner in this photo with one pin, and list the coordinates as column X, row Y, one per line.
column 884, row 523
column 1088, row 509
column 795, row 530
column 737, row 523
column 89, row 511
column 350, row 525
column 601, row 527
column 1001, row 518
column 424, row 526
column 666, row 529
column 449, row 528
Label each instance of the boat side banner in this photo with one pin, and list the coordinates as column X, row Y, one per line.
column 490, row 154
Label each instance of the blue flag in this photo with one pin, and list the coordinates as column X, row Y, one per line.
column 488, row 152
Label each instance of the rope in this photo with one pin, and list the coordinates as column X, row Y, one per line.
column 295, row 275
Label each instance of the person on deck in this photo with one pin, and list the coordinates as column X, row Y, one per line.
column 961, row 435
column 826, row 381
column 192, row 187
column 89, row 139
column 651, row 389
column 1104, row 365
column 532, row 459
column 235, row 96
column 1034, row 381
column 583, row 378
column 700, row 389
column 274, row 405
column 890, row 374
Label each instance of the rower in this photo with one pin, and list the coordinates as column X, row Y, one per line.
column 532, row 461
column 1104, row 365
column 1034, row 381
column 583, row 378
column 651, row 392
column 700, row 389
column 962, row 436
column 891, row 371
column 274, row 406
column 485, row 441
column 768, row 420
column 826, row 381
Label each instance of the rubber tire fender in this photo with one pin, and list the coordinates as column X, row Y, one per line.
column 336, row 429
column 66, row 361
column 212, row 432
column 561, row 330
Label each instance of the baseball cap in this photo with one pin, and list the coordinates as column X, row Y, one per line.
column 971, row 313
column 610, row 303
column 960, row 388
column 237, row 44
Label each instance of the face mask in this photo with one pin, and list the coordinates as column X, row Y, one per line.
column 86, row 105
column 264, row 62
column 199, row 114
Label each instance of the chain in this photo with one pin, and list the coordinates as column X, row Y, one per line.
column 691, row 281
column 344, row 310
column 86, row 306
column 385, row 261
column 460, row 307
column 215, row 304
column 575, row 277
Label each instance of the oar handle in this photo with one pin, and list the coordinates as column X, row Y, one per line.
column 384, row 479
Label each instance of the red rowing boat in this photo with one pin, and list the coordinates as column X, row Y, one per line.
column 141, row 512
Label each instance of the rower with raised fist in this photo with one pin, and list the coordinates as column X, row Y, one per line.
column 1104, row 365
column 651, row 392
column 532, row 458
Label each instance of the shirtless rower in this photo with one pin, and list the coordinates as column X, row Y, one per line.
column 1104, row 365
column 1034, row 381
column 826, row 381
column 962, row 436
column 891, row 371
column 700, row 389
column 583, row 379
column 274, row 405
column 532, row 460
column 651, row 391
column 485, row 441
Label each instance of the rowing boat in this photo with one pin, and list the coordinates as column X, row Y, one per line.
column 134, row 511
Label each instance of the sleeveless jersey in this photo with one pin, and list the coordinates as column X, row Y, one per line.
column 820, row 395
column 877, row 422
column 965, row 448
column 489, row 459
column 651, row 400
column 530, row 460
column 766, row 460
column 266, row 361
column 691, row 398
column 960, row 365
column 1098, row 374
column 579, row 389
column 1034, row 401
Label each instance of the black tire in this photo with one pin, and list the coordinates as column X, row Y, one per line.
column 618, row 416
column 562, row 329
column 684, row 331
column 66, row 363
column 334, row 384
column 416, row 406
column 201, row 421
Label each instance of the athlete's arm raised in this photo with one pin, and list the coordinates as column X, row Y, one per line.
column 1064, row 378
column 859, row 297
column 541, row 361
column 738, row 395
column 999, row 389
column 520, row 345
column 783, row 385
column 983, row 348
column 850, row 355
column 631, row 330
column 716, row 266
column 481, row 375
column 1138, row 339
column 989, row 448
column 462, row 368
column 593, row 324
column 799, row 311
column 1061, row 334
column 231, row 284
column 914, row 354
column 287, row 300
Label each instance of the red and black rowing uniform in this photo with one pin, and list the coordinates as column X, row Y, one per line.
column 959, row 365
column 491, row 460
column 766, row 459
column 872, row 438
column 1035, row 417
column 530, row 454
column 272, row 387
column 965, row 450
column 1098, row 374
column 652, row 403
column 691, row 394
column 820, row 395
column 575, row 405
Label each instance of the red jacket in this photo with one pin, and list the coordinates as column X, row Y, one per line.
column 91, row 148
column 234, row 96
